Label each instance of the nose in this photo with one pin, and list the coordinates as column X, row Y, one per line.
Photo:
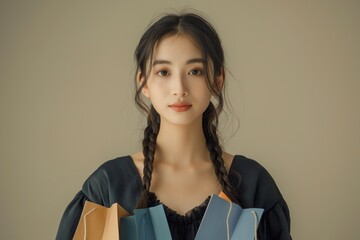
column 179, row 85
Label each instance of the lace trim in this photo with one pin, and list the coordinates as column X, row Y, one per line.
column 192, row 216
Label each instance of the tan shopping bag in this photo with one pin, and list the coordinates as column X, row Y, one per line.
column 99, row 223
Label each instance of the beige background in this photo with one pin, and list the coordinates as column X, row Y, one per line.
column 66, row 104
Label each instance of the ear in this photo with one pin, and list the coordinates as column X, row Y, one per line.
column 141, row 79
column 219, row 80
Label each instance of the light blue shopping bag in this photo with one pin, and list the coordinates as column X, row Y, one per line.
column 145, row 224
column 228, row 221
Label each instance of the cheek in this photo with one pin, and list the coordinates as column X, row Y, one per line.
column 157, row 93
column 203, row 88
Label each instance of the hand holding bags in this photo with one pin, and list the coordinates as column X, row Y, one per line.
column 99, row 223
column 226, row 220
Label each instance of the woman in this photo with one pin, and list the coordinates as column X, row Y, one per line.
column 180, row 70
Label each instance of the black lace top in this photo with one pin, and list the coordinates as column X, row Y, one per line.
column 118, row 181
column 182, row 227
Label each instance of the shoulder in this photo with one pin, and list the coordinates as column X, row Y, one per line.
column 254, row 183
column 119, row 167
column 247, row 166
column 138, row 160
column 115, row 180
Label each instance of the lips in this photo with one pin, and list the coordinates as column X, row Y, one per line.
column 180, row 107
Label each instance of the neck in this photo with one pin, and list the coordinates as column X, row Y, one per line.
column 181, row 144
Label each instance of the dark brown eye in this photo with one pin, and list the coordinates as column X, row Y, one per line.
column 163, row 73
column 195, row 72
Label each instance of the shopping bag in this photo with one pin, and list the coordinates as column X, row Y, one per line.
column 99, row 223
column 224, row 219
column 145, row 224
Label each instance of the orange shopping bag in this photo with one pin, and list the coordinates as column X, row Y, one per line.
column 99, row 223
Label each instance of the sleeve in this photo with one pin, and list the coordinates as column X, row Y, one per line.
column 259, row 190
column 71, row 217
column 275, row 223
column 92, row 191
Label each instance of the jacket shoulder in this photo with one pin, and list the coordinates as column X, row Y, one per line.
column 115, row 180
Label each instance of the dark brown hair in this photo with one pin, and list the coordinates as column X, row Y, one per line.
column 209, row 43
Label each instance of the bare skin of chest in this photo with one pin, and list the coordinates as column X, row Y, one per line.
column 183, row 188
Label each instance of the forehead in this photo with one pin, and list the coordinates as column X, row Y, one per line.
column 177, row 47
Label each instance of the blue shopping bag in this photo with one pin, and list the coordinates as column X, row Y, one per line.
column 227, row 220
column 145, row 224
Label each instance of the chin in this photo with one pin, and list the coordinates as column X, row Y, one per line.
column 182, row 121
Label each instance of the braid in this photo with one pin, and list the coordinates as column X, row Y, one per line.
column 210, row 123
column 149, row 147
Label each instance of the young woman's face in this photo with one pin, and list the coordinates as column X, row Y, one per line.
column 176, row 85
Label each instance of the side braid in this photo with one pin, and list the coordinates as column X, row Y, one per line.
column 210, row 123
column 149, row 147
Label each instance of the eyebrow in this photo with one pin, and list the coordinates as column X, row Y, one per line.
column 190, row 61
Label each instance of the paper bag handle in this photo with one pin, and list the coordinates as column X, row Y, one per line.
column 255, row 224
column 85, row 218
column 227, row 222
